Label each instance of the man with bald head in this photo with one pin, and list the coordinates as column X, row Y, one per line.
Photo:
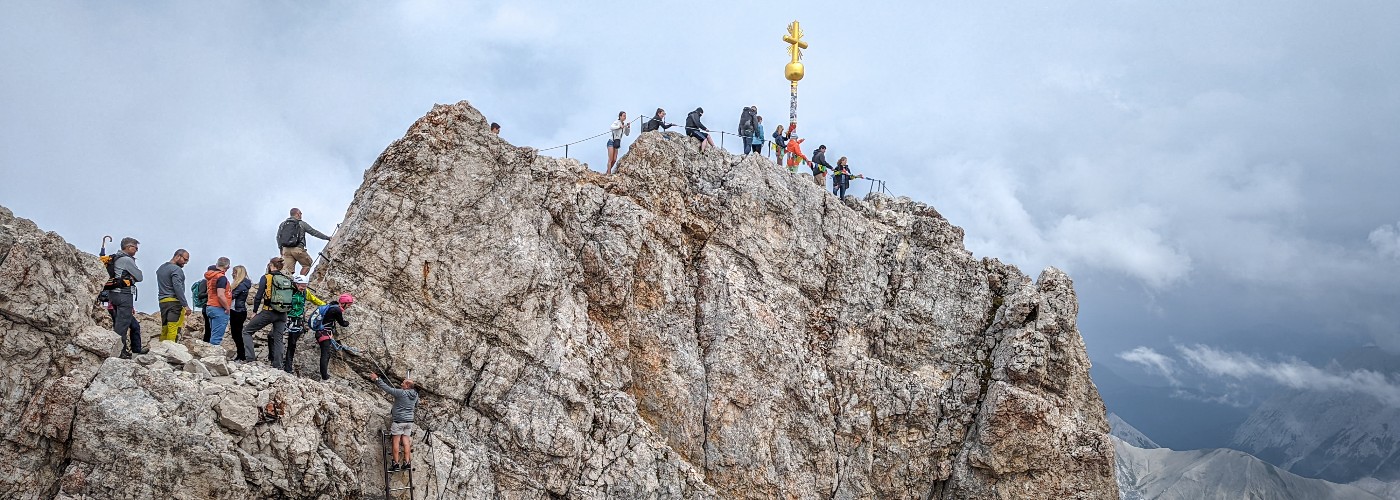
column 170, row 279
column 291, row 237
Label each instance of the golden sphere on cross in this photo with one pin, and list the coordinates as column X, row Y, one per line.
column 794, row 70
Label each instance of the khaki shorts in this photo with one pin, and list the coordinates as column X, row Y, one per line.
column 292, row 256
column 401, row 429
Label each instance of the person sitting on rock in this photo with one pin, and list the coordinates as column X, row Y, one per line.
column 325, row 323
column 296, row 318
column 401, row 430
column 274, row 298
column 694, row 128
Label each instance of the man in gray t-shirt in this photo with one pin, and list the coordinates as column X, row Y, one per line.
column 401, row 431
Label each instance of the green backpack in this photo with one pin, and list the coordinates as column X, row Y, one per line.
column 280, row 292
column 201, row 296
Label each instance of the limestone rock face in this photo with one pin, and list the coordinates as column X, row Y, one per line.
column 707, row 324
column 696, row 326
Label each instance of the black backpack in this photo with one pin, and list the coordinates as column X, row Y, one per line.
column 289, row 234
column 746, row 123
column 114, row 281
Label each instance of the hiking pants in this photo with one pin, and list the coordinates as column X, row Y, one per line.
column 123, row 322
column 325, row 358
column 235, row 321
column 204, row 311
column 278, row 320
column 218, row 319
column 172, row 318
column 296, row 327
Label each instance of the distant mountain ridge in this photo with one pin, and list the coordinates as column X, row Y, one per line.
column 1338, row 436
column 1218, row 474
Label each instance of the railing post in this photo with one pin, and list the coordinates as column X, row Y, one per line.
column 566, row 150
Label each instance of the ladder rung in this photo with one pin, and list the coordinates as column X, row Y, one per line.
column 400, row 488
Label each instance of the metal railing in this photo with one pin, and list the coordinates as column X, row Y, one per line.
column 768, row 148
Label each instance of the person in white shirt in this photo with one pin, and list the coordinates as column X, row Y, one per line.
column 619, row 129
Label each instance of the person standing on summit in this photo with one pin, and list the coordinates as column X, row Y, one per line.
column 757, row 141
column 220, row 300
column 122, row 296
column 619, row 129
column 746, row 125
column 291, row 237
column 170, row 282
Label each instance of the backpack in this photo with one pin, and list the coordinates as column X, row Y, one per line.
column 280, row 292
column 200, row 291
column 746, row 123
column 289, row 234
column 114, row 281
column 317, row 318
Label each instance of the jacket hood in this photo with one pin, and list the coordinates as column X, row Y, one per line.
column 213, row 274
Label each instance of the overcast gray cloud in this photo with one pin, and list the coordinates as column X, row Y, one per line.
column 1292, row 373
column 1205, row 171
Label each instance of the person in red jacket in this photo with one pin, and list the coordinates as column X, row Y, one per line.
column 220, row 300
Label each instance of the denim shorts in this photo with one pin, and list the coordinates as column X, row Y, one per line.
column 615, row 143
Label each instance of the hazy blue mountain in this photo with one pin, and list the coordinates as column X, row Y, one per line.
column 1339, row 436
column 1223, row 474
column 1129, row 434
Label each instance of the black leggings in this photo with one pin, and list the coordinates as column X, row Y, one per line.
column 325, row 359
column 236, row 319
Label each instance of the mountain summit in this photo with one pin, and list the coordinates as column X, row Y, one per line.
column 697, row 325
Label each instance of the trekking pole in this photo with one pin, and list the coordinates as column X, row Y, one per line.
column 105, row 239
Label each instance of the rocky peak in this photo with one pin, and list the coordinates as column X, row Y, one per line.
column 698, row 325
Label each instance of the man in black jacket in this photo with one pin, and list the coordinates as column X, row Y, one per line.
column 820, row 166
column 694, row 128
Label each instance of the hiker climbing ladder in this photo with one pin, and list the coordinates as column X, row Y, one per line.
column 389, row 488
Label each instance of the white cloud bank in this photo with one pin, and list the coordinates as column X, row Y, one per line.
column 1288, row 372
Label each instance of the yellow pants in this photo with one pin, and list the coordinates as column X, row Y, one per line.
column 170, row 309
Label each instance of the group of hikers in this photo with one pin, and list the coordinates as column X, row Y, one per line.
column 281, row 300
column 752, row 133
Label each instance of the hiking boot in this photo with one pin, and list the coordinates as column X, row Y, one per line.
column 406, row 467
column 394, row 467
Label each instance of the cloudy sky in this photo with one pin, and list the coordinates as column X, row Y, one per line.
column 1219, row 177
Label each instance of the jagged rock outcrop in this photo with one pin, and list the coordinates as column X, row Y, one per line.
column 698, row 325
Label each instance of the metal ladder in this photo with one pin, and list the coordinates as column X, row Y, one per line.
column 389, row 489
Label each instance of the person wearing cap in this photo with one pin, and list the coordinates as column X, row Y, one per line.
column 401, row 428
column 332, row 318
column 296, row 318
column 695, row 129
